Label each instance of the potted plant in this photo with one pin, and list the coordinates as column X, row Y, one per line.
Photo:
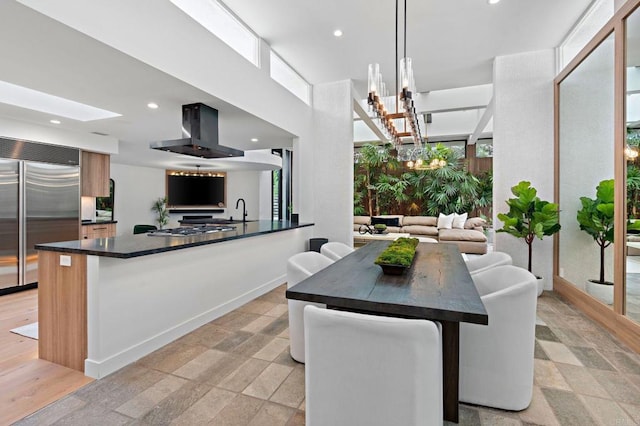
column 529, row 217
column 596, row 218
column 380, row 228
column 160, row 207
column 398, row 256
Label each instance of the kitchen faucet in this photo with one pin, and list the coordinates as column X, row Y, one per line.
column 244, row 209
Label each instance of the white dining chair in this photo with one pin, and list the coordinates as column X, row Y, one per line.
column 371, row 370
column 299, row 267
column 487, row 261
column 335, row 250
column 496, row 360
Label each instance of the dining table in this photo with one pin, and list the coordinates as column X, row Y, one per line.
column 437, row 287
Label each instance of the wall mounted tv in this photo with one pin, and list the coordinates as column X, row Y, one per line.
column 196, row 189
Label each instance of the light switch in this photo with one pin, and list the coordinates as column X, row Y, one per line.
column 65, row 260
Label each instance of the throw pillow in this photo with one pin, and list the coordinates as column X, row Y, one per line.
column 459, row 220
column 475, row 222
column 445, row 221
column 389, row 221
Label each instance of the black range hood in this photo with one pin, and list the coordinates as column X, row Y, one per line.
column 200, row 135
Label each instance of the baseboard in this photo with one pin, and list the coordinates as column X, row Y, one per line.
column 98, row 369
column 18, row 288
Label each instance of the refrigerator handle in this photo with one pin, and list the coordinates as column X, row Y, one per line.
column 22, row 263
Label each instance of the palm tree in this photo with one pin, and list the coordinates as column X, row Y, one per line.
column 374, row 162
column 448, row 189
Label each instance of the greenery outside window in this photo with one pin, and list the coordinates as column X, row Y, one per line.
column 484, row 148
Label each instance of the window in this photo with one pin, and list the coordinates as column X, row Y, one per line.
column 289, row 79
column 223, row 24
column 484, row 148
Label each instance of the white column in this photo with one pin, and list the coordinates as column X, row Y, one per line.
column 330, row 164
column 523, row 145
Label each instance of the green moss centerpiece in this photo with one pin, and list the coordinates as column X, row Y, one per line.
column 398, row 257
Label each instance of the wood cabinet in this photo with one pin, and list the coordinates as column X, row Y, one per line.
column 95, row 174
column 62, row 309
column 98, row 230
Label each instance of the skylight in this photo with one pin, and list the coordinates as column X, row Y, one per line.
column 39, row 101
column 220, row 22
column 289, row 79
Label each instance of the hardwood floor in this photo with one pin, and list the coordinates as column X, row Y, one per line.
column 26, row 382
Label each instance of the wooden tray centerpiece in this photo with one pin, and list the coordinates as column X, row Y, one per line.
column 397, row 258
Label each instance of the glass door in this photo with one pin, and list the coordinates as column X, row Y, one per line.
column 632, row 149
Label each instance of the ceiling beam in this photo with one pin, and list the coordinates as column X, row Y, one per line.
column 484, row 120
column 362, row 114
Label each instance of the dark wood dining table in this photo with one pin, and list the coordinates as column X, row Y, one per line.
column 436, row 287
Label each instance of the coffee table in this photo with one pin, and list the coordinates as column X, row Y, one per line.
column 359, row 238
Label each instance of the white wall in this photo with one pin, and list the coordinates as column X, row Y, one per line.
column 523, row 144
column 332, row 183
column 136, row 188
column 244, row 185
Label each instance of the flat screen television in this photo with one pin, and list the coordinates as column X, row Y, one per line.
column 187, row 189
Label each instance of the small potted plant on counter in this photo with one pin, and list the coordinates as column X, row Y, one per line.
column 160, row 207
column 529, row 217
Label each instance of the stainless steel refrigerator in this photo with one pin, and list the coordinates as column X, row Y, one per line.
column 39, row 203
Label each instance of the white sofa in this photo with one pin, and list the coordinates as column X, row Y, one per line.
column 471, row 239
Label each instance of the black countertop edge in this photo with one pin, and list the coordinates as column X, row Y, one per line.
column 134, row 246
column 98, row 222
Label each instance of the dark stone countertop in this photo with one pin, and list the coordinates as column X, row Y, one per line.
column 128, row 246
column 98, row 222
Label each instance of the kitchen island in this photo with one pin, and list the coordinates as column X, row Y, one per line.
column 104, row 303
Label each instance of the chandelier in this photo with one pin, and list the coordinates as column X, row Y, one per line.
column 397, row 125
column 422, row 158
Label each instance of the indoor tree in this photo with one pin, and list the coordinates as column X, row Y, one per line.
column 484, row 199
column 391, row 192
column 596, row 218
column 373, row 161
column 529, row 217
column 447, row 189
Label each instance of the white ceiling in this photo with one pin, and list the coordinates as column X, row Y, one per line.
column 452, row 44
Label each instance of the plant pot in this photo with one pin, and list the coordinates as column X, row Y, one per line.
column 389, row 269
column 540, row 285
column 602, row 292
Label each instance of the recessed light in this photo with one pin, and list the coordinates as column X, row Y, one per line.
column 493, row 1
column 54, row 121
column 337, row 33
column 254, row 139
column 152, row 105
column 24, row 97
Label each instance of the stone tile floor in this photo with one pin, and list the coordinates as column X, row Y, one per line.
column 236, row 370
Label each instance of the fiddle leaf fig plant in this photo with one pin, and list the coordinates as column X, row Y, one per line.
column 596, row 218
column 529, row 217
